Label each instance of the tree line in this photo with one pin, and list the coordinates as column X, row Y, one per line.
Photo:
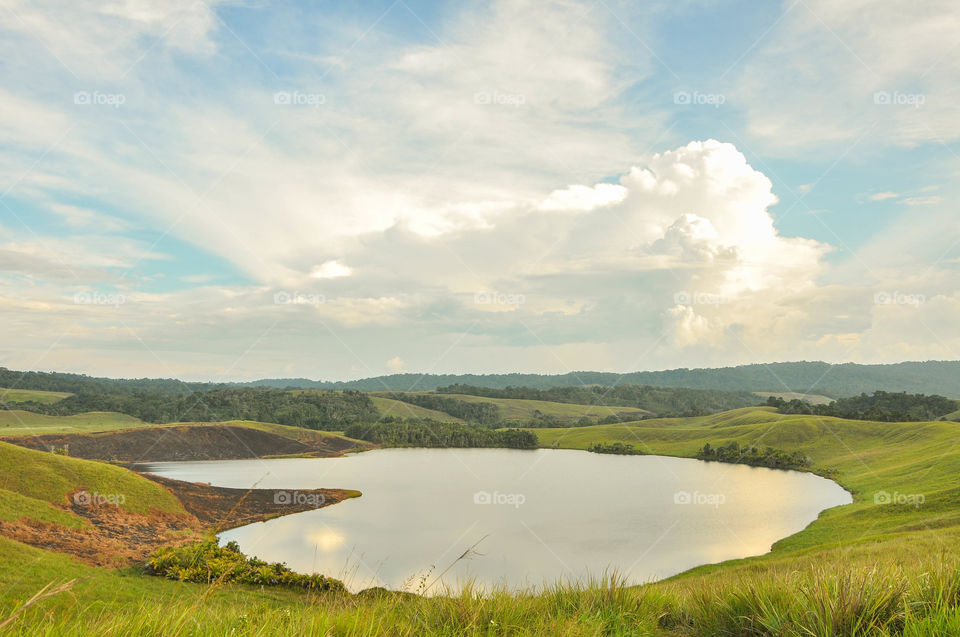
column 662, row 401
column 754, row 456
column 430, row 433
column 881, row 406
column 475, row 412
column 308, row 409
column 615, row 448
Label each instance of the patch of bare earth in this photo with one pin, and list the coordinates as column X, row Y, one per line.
column 116, row 537
column 112, row 537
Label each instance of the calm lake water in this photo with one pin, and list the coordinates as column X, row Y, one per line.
column 540, row 516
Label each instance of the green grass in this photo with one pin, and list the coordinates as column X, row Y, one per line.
column 953, row 416
column 820, row 602
column 518, row 410
column 49, row 477
column 862, row 569
column 16, row 422
column 36, row 395
column 400, row 409
column 25, row 423
column 15, row 506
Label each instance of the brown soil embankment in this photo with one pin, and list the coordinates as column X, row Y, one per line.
column 113, row 536
column 187, row 442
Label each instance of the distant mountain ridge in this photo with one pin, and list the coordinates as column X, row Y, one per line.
column 817, row 377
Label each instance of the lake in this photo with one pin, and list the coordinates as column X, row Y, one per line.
column 539, row 516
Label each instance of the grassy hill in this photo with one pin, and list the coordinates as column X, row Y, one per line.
column 36, row 395
column 16, row 422
column 399, row 409
column 515, row 410
column 40, row 478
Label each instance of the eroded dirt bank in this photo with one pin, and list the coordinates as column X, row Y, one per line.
column 112, row 536
column 186, row 442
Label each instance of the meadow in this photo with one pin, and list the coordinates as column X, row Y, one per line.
column 519, row 410
column 8, row 395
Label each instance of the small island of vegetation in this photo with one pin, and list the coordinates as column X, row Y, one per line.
column 754, row 456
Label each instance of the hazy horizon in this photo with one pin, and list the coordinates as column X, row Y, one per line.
column 470, row 373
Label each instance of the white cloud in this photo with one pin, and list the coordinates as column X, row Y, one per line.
column 692, row 220
column 583, row 198
column 330, row 270
column 834, row 72
column 921, row 201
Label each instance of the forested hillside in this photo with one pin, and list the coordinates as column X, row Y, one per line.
column 881, row 407
column 662, row 401
column 847, row 379
column 313, row 410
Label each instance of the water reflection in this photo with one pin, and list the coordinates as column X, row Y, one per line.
column 543, row 515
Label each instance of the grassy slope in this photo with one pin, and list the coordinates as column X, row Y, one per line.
column 23, row 395
column 16, row 422
column 400, row 409
column 47, row 477
column 521, row 410
column 906, row 458
column 16, row 506
column 36, row 485
column 25, row 423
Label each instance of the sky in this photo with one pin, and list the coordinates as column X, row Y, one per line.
column 336, row 190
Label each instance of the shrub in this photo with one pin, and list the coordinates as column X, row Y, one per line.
column 208, row 562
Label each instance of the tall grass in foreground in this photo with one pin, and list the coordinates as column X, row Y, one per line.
column 818, row 603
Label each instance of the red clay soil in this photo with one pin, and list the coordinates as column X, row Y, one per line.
column 116, row 537
column 186, row 442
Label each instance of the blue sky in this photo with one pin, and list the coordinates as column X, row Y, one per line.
column 336, row 190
